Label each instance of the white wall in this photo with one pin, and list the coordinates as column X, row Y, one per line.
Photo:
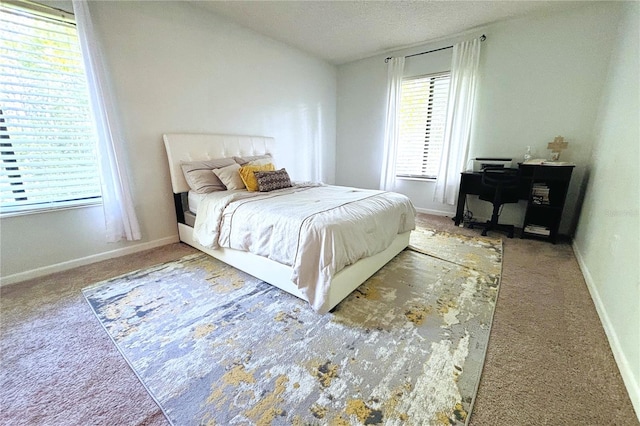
column 607, row 240
column 539, row 77
column 178, row 68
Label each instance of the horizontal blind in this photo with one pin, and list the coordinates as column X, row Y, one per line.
column 423, row 115
column 47, row 138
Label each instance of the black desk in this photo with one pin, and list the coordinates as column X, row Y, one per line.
column 545, row 214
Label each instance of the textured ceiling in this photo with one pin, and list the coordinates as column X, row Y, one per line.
column 343, row 31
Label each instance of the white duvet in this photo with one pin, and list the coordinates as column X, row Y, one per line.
column 316, row 230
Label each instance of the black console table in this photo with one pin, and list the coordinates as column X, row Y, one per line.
column 543, row 187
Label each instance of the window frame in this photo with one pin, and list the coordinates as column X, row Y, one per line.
column 432, row 81
column 38, row 12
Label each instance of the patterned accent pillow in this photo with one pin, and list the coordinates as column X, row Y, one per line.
column 270, row 181
column 248, row 177
column 199, row 175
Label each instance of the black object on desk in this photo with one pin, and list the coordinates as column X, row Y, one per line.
column 544, row 187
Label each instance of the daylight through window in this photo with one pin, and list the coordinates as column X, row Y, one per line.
column 47, row 138
column 423, row 116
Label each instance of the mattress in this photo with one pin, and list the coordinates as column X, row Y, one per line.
column 194, row 200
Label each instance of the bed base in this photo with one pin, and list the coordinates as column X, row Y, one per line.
column 279, row 275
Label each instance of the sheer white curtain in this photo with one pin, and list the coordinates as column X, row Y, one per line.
column 120, row 216
column 464, row 71
column 392, row 125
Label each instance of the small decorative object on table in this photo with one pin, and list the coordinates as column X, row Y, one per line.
column 556, row 147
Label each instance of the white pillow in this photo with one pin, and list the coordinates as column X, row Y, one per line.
column 260, row 162
column 244, row 160
column 230, row 176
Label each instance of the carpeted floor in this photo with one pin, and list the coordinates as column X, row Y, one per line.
column 548, row 360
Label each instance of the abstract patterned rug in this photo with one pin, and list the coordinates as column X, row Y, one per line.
column 216, row 346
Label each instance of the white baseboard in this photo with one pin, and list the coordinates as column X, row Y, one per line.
column 631, row 382
column 435, row 212
column 63, row 266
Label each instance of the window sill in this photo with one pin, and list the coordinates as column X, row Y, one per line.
column 69, row 205
column 416, row 179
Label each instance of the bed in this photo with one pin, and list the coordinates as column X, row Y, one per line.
column 389, row 230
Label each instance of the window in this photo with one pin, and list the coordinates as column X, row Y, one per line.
column 47, row 136
column 423, row 116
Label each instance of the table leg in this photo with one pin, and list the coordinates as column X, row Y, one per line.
column 462, row 196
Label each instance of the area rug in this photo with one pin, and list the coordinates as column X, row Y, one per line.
column 215, row 346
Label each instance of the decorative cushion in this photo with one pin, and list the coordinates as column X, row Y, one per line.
column 254, row 159
column 230, row 176
column 199, row 176
column 248, row 177
column 269, row 181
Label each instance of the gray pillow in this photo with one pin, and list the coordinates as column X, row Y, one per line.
column 200, row 177
column 270, row 181
column 244, row 160
column 230, row 176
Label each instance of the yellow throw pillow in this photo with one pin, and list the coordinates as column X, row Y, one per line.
column 249, row 179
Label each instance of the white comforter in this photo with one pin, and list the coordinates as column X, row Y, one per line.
column 316, row 230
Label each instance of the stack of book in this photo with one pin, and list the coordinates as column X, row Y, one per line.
column 540, row 193
column 537, row 229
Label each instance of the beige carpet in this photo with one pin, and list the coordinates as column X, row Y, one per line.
column 548, row 360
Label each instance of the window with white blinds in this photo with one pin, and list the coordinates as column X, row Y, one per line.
column 47, row 137
column 423, row 116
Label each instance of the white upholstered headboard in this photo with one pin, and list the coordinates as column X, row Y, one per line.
column 197, row 147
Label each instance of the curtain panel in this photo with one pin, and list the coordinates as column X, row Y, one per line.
column 395, row 70
column 120, row 217
column 464, row 76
